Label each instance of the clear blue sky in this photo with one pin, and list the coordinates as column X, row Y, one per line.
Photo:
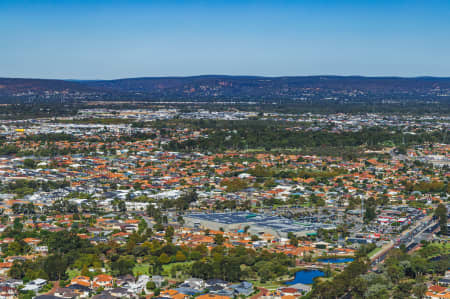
column 96, row 39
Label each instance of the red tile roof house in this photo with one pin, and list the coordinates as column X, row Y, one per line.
column 4, row 268
column 32, row 241
column 103, row 280
column 81, row 280
column 290, row 291
column 7, row 292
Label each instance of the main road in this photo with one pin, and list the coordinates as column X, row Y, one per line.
column 410, row 238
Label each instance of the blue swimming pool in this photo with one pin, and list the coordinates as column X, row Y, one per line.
column 305, row 276
column 336, row 260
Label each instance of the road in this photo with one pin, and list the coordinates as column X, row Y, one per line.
column 422, row 230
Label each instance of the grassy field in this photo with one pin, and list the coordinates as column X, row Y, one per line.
column 373, row 252
column 270, row 285
column 72, row 273
column 444, row 248
column 141, row 269
column 167, row 268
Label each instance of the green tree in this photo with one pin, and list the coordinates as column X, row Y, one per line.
column 29, row 163
column 164, row 258
column 169, row 233
column 441, row 214
column 370, row 212
column 395, row 272
column 55, row 266
column 219, row 239
column 124, row 265
column 151, row 285
column 180, row 257
column 142, row 226
column 85, row 271
column 419, row 290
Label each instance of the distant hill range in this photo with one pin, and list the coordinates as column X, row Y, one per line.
column 238, row 88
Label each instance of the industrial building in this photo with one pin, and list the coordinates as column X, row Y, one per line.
column 257, row 223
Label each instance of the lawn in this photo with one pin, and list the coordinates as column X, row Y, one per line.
column 167, row 268
column 375, row 251
column 446, row 246
column 73, row 272
column 141, row 269
column 270, row 285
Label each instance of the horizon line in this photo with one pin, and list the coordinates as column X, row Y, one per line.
column 236, row 76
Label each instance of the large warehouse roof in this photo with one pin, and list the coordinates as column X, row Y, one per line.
column 277, row 223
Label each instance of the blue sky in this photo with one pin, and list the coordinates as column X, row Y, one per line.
column 99, row 39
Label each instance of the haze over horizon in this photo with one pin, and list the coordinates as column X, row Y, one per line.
column 221, row 75
column 126, row 39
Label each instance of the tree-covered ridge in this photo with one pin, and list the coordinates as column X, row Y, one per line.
column 237, row 88
column 243, row 135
